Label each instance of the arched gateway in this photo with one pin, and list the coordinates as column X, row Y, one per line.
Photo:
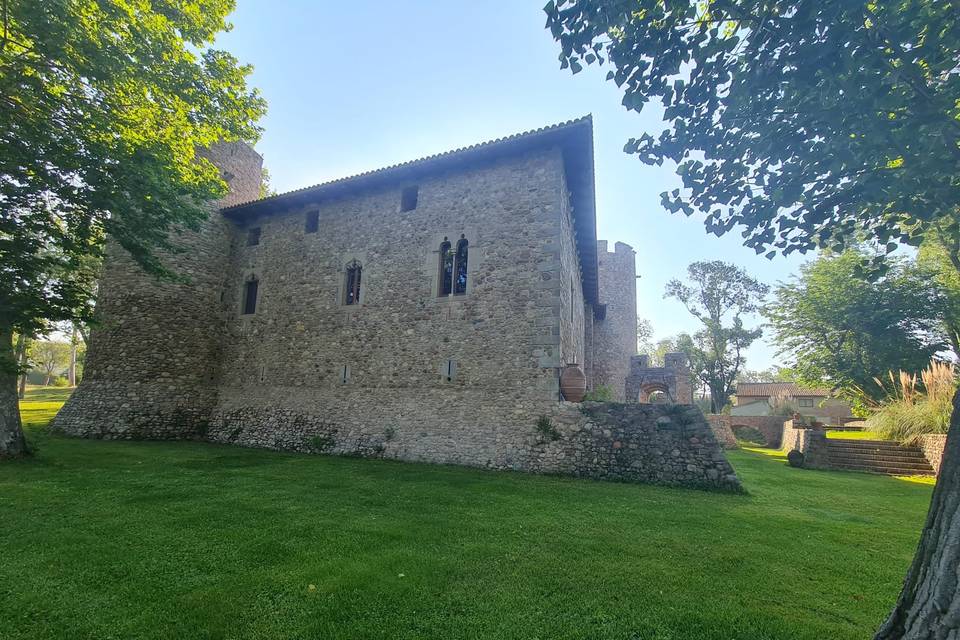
column 672, row 379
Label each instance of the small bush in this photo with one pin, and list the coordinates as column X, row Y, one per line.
column 600, row 393
column 916, row 405
column 322, row 443
column 60, row 381
column 546, row 429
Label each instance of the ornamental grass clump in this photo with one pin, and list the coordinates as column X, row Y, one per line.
column 917, row 405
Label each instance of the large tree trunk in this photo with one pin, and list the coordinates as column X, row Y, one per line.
column 929, row 605
column 72, row 372
column 12, row 442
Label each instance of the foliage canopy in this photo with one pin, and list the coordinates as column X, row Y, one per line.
column 845, row 328
column 805, row 123
column 103, row 105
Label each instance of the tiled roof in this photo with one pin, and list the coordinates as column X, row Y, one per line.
column 575, row 137
column 766, row 389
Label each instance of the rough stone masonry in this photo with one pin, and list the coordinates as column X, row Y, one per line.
column 423, row 311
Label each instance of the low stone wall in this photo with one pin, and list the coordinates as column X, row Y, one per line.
column 933, row 446
column 812, row 443
column 658, row 444
column 770, row 426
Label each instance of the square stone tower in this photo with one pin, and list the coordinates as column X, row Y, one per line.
column 615, row 330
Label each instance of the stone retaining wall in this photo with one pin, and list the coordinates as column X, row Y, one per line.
column 722, row 431
column 933, row 446
column 655, row 444
column 770, row 426
column 812, row 443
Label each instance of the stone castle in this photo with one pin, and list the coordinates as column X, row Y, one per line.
column 423, row 312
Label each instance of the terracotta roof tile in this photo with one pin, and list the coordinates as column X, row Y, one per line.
column 764, row 389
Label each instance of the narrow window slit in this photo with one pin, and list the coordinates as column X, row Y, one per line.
column 408, row 198
column 250, row 290
column 312, row 222
column 352, row 288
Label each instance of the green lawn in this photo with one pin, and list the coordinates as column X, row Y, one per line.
column 186, row 540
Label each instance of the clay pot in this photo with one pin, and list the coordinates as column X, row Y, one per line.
column 573, row 383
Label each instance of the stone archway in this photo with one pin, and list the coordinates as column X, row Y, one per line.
column 672, row 379
column 651, row 388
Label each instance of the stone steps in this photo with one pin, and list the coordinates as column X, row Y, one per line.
column 877, row 456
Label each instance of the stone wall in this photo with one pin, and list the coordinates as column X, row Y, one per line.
column 152, row 366
column 722, row 431
column 615, row 336
column 812, row 443
column 933, row 446
column 503, row 336
column 174, row 361
column 656, row 444
column 770, row 426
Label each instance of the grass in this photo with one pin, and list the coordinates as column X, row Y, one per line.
column 188, row 540
column 917, row 404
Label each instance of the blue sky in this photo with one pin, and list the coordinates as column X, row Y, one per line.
column 364, row 84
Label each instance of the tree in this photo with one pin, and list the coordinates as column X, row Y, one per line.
column 102, row 112
column 644, row 335
column 845, row 328
column 808, row 124
column 934, row 262
column 718, row 291
column 51, row 357
column 926, row 606
column 801, row 122
column 772, row 374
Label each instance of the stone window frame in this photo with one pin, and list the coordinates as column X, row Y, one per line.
column 254, row 235
column 432, row 269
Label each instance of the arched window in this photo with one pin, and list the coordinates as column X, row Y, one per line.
column 446, row 269
column 460, row 281
column 250, row 290
column 352, row 286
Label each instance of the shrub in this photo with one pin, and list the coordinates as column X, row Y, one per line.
column 916, row 405
column 60, row 381
column 546, row 429
column 322, row 443
column 600, row 393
